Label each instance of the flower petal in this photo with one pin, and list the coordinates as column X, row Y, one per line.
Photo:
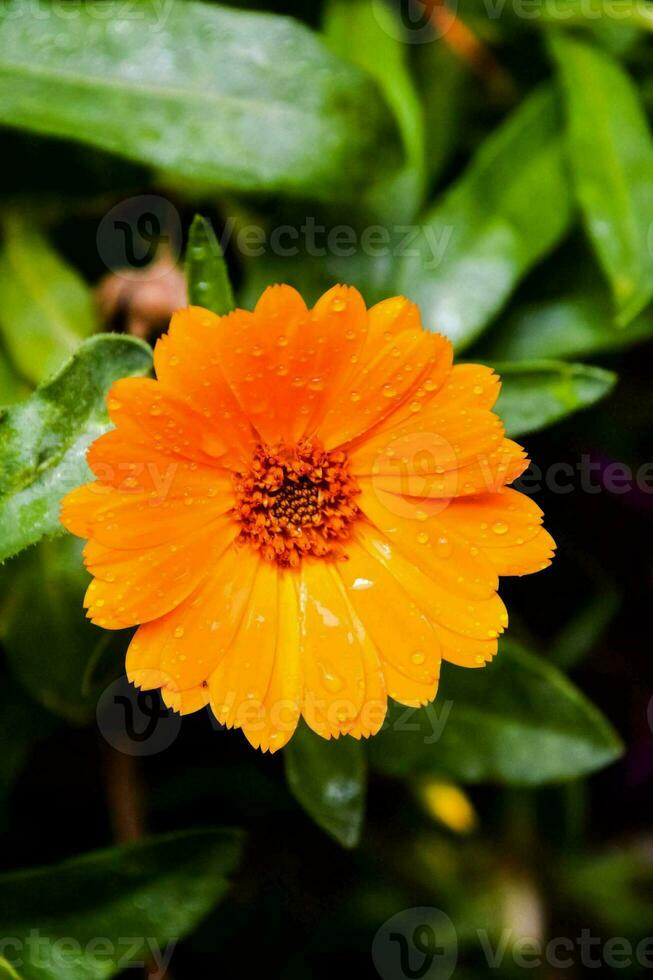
column 185, row 646
column 406, row 643
column 396, row 359
column 137, row 520
column 187, row 365
column 423, row 534
column 134, row 587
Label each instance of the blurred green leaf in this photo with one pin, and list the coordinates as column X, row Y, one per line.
column 206, row 270
column 519, row 720
column 576, row 322
column 47, row 586
column 370, row 36
column 6, row 970
column 611, row 153
column 509, row 208
column 43, row 440
column 615, row 888
column 535, row 394
column 443, row 81
column 591, row 13
column 157, row 889
column 12, row 388
column 328, row 779
column 214, row 96
column 45, row 308
column 578, row 636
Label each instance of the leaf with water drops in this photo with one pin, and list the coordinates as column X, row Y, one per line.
column 157, row 889
column 207, row 275
column 43, row 440
column 211, row 96
column 328, row 779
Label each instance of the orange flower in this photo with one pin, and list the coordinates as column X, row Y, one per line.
column 304, row 514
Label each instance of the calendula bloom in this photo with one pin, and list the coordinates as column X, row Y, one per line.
column 304, row 514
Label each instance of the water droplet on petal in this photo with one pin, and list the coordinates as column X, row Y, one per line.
column 499, row 527
column 330, row 679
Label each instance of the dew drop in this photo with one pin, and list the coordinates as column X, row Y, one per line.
column 179, row 632
column 331, row 680
column 338, row 305
column 155, row 409
column 423, row 537
column 478, row 389
column 355, row 396
column 500, row 527
column 417, row 657
column 389, row 391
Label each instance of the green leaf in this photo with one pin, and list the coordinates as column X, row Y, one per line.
column 509, row 208
column 157, row 889
column 46, row 591
column 43, row 440
column 576, row 322
column 594, row 13
column 614, row 888
column 519, row 720
column 218, row 97
column 328, row 779
column 7, row 971
column 45, row 308
column 370, row 35
column 578, row 636
column 611, row 153
column 443, row 81
column 535, row 394
column 12, row 388
column 206, row 270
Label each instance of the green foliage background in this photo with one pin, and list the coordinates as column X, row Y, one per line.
column 509, row 182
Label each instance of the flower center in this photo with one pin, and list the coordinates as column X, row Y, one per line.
column 296, row 501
